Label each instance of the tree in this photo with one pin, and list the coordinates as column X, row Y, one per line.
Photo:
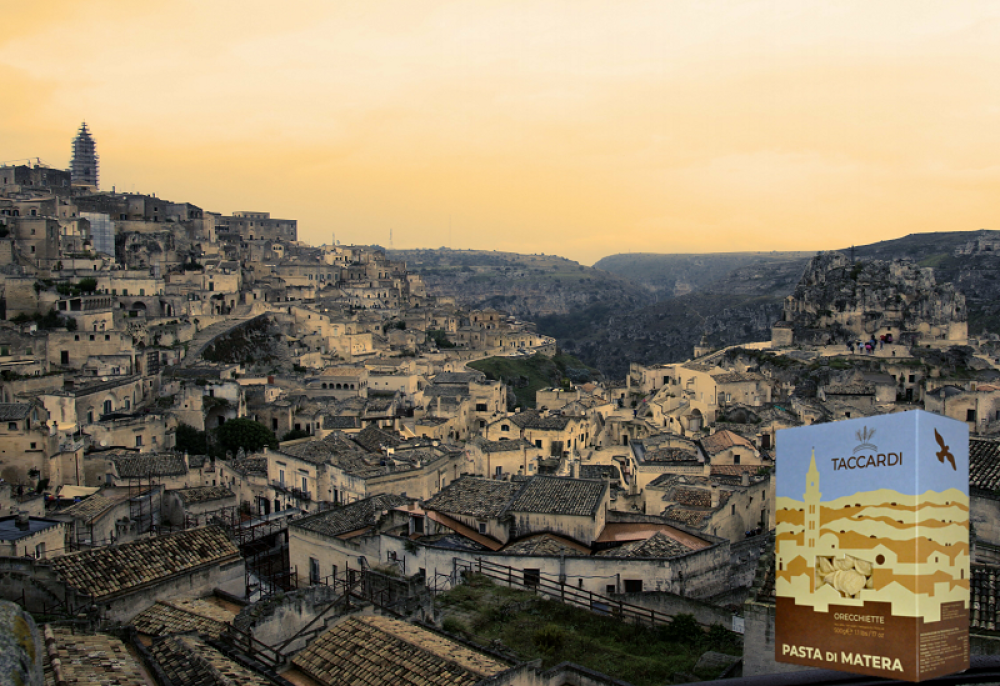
column 244, row 433
column 190, row 440
column 294, row 434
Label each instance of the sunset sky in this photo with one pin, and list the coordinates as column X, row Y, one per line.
column 577, row 128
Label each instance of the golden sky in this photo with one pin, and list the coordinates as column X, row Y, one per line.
column 577, row 128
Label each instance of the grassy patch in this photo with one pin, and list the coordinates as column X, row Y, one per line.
column 528, row 375
column 535, row 628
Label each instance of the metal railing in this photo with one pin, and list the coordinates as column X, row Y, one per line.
column 535, row 582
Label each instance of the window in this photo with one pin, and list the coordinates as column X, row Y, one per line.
column 970, row 415
column 418, row 525
column 505, row 427
column 281, row 477
column 4, row 350
column 538, row 443
column 480, row 407
column 12, row 426
column 532, row 577
column 609, row 589
column 313, row 570
column 633, row 585
column 91, row 336
column 107, row 337
column 34, row 446
column 482, row 527
column 138, row 441
column 64, row 356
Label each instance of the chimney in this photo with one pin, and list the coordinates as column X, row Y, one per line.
column 22, row 521
column 708, row 468
column 715, row 495
column 745, row 479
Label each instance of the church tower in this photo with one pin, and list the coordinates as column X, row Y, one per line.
column 83, row 168
column 811, row 499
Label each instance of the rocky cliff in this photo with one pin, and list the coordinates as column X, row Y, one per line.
column 858, row 299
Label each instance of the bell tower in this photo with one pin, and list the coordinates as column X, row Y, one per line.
column 83, row 168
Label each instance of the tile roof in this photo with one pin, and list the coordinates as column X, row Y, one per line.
column 545, row 544
column 334, row 449
column 736, row 377
column 204, row 494
column 557, row 495
column 984, row 463
column 692, row 497
column 657, row 545
column 89, row 508
column 599, row 471
column 189, row 660
column 79, row 658
column 382, row 651
column 669, row 455
column 473, row 497
column 10, row 412
column 251, row 466
column 984, row 613
column 144, row 466
column 373, row 439
column 350, row 517
column 689, row 517
column 107, row 571
column 723, row 440
column 503, row 446
column 178, row 617
column 338, row 422
column 458, row 377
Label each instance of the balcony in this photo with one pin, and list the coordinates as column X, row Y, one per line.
column 291, row 490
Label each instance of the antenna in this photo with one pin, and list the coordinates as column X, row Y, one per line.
column 390, row 238
column 852, row 254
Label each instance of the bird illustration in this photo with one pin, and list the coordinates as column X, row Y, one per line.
column 945, row 451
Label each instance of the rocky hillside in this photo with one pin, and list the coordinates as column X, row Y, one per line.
column 528, row 286
column 676, row 275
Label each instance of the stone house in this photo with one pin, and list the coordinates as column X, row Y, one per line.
column 189, row 507
column 124, row 580
column 555, row 435
column 36, row 537
column 729, row 448
column 26, row 443
column 977, row 404
column 171, row 470
column 112, row 515
column 503, row 459
column 329, row 542
column 726, row 504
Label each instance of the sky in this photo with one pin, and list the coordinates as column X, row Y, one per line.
column 576, row 128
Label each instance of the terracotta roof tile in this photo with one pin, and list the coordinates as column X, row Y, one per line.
column 191, row 661
column 556, row 495
column 106, row 571
column 179, row 617
column 351, row 517
column 204, row 494
column 80, row 658
column 382, row 651
column 658, row 545
column 473, row 497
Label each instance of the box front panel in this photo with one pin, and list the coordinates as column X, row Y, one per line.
column 872, row 548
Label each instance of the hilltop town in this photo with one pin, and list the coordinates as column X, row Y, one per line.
column 239, row 456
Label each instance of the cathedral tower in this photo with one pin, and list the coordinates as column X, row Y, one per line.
column 83, row 168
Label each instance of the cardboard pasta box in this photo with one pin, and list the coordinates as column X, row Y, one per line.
column 872, row 546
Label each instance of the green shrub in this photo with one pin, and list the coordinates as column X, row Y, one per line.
column 549, row 639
